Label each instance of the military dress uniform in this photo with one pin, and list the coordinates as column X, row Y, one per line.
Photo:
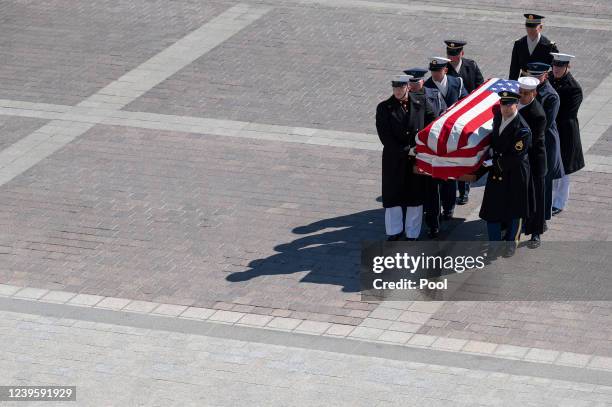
column 570, row 97
column 534, row 116
column 549, row 99
column 397, row 123
column 452, row 90
column 508, row 195
column 433, row 96
column 522, row 55
column 472, row 78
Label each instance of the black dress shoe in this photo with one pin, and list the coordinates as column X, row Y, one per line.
column 447, row 216
column 556, row 211
column 462, row 200
column 434, row 233
column 534, row 242
column 395, row 238
column 509, row 250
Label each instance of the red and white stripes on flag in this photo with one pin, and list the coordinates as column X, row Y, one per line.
column 457, row 142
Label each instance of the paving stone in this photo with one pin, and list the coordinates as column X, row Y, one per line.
column 226, row 316
column 30, row 293
column 573, row 359
column 422, row 340
column 113, row 303
column 198, row 313
column 141, row 306
column 395, row 337
column 255, row 320
column 480, row 347
column 313, row 327
column 58, row 296
column 542, row 355
column 169, row 310
column 284, row 323
column 339, row 330
column 86, row 299
column 8, row 290
column 449, row 344
column 511, row 351
column 366, row 333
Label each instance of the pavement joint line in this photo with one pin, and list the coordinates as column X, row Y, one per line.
column 46, row 302
column 86, row 118
column 475, row 13
column 25, row 153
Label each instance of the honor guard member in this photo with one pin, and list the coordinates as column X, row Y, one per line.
column 549, row 99
column 452, row 89
column 431, row 206
column 531, row 110
column 534, row 47
column 570, row 96
column 398, row 119
column 468, row 70
column 508, row 196
column 434, row 96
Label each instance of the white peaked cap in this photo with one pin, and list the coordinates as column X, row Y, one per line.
column 562, row 57
column 528, row 82
column 439, row 60
column 401, row 78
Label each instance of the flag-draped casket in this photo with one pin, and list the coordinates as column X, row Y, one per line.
column 457, row 142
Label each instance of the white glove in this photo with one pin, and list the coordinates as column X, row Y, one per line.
column 487, row 163
column 412, row 151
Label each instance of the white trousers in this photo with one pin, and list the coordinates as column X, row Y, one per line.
column 394, row 224
column 561, row 189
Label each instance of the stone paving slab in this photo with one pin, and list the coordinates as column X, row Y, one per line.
column 62, row 51
column 265, row 74
column 453, row 352
column 112, row 364
column 13, row 128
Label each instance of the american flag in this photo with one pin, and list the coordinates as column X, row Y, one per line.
column 457, row 142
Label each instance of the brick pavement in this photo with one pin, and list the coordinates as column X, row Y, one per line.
column 116, row 221
column 604, row 145
column 265, row 73
column 61, row 52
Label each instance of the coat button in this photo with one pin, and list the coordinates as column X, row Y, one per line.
column 500, row 178
column 494, row 177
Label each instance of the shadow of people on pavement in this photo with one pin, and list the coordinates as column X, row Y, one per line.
column 329, row 250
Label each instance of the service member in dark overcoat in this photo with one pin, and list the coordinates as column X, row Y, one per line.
column 534, row 47
column 531, row 110
column 431, row 207
column 452, row 90
column 570, row 96
column 508, row 195
column 417, row 85
column 549, row 99
column 398, row 120
column 469, row 71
